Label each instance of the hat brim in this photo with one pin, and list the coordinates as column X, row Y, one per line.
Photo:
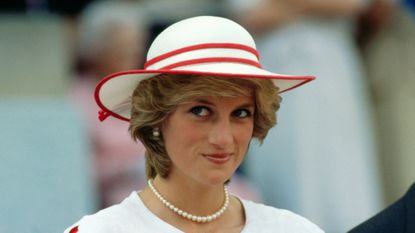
column 113, row 93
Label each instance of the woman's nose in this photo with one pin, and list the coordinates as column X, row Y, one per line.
column 221, row 134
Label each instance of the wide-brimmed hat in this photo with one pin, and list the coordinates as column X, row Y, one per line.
column 203, row 45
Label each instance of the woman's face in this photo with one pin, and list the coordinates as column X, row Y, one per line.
column 207, row 138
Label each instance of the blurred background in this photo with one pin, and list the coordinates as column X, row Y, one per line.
column 343, row 148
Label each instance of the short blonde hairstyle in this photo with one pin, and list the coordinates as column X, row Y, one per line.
column 154, row 99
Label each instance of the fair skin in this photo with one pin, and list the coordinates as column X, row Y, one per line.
column 206, row 139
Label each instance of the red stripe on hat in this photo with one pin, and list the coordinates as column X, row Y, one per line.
column 202, row 46
column 74, row 230
column 211, row 59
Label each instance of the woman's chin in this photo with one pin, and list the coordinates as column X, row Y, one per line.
column 217, row 178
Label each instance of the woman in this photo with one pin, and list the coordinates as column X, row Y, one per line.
column 196, row 106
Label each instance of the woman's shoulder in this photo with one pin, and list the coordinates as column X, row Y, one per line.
column 275, row 219
column 111, row 219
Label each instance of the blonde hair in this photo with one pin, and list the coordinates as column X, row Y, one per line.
column 155, row 98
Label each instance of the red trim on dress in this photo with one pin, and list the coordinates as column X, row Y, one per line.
column 74, row 230
column 201, row 46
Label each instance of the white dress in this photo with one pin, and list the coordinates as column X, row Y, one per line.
column 132, row 216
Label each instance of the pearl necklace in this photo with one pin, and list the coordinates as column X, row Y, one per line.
column 184, row 214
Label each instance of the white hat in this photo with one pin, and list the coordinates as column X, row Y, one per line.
column 203, row 45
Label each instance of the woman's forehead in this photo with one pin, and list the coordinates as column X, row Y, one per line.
column 217, row 90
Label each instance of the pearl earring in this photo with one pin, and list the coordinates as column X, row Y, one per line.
column 156, row 132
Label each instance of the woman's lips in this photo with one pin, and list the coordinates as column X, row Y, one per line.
column 219, row 158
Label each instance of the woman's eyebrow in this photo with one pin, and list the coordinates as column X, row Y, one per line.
column 207, row 102
column 247, row 105
column 201, row 101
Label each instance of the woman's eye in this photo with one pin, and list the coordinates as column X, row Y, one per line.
column 200, row 111
column 242, row 113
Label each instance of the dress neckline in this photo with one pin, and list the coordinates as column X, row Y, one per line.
column 160, row 222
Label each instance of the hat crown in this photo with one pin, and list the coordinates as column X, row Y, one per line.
column 199, row 30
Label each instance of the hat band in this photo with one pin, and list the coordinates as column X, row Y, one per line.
column 211, row 59
column 204, row 46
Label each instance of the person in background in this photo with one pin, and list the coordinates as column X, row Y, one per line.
column 111, row 37
column 389, row 31
column 200, row 99
column 386, row 36
column 397, row 218
column 334, row 169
